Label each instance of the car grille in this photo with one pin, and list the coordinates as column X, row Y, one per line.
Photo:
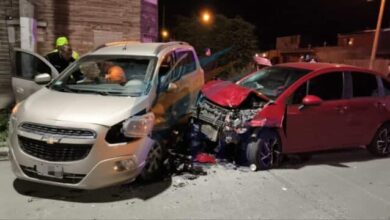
column 67, row 177
column 211, row 113
column 54, row 152
column 69, row 132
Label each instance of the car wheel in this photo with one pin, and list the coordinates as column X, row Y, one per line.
column 380, row 146
column 265, row 150
column 153, row 168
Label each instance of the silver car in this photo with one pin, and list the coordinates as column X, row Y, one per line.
column 103, row 120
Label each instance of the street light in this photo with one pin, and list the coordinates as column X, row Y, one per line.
column 164, row 34
column 377, row 33
column 206, row 17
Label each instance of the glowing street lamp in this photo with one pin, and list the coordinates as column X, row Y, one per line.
column 206, row 17
column 165, row 34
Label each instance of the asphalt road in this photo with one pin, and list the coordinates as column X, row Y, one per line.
column 350, row 185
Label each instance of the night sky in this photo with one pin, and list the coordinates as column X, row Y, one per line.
column 319, row 20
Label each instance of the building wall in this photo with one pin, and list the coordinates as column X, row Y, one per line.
column 364, row 40
column 87, row 23
column 9, row 10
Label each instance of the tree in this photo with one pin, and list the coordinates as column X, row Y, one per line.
column 222, row 33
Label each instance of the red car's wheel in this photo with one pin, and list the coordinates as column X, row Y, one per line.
column 264, row 151
column 380, row 145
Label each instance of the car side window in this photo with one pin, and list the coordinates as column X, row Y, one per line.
column 186, row 61
column 328, row 86
column 299, row 94
column 364, row 85
column 27, row 66
column 165, row 71
column 386, row 85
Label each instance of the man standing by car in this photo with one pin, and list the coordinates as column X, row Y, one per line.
column 61, row 58
column 61, row 41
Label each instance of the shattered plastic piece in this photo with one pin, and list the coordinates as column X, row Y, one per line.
column 190, row 176
column 253, row 167
column 205, row 158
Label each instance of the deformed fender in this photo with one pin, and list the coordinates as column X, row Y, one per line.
column 271, row 116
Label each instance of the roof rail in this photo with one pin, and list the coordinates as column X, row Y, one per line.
column 168, row 44
column 116, row 43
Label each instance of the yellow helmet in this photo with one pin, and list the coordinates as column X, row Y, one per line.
column 61, row 41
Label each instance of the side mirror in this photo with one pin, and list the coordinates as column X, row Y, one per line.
column 42, row 78
column 311, row 100
column 172, row 87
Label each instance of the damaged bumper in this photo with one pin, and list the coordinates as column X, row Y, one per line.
column 219, row 124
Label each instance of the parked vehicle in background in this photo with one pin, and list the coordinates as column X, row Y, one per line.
column 104, row 119
column 296, row 108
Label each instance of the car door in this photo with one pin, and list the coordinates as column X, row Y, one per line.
column 317, row 127
column 165, row 99
column 26, row 66
column 189, row 81
column 367, row 108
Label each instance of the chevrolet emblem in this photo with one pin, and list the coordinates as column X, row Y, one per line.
column 50, row 139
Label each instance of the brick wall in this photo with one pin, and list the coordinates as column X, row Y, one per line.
column 87, row 23
column 8, row 9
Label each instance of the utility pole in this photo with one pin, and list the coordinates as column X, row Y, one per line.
column 377, row 34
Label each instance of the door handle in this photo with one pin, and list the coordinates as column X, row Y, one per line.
column 341, row 109
column 19, row 90
column 380, row 105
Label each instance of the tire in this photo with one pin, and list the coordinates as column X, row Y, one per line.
column 380, row 145
column 265, row 151
column 153, row 169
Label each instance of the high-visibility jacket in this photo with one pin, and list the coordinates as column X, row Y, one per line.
column 75, row 55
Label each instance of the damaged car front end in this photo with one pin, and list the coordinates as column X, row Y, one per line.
column 224, row 119
column 233, row 117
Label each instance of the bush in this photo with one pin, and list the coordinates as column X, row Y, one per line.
column 4, row 117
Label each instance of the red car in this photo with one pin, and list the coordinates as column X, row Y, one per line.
column 296, row 108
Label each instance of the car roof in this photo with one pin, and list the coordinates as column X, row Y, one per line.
column 314, row 66
column 327, row 67
column 135, row 48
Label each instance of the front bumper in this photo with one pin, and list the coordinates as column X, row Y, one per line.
column 97, row 170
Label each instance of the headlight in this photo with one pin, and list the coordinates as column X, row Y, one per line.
column 138, row 126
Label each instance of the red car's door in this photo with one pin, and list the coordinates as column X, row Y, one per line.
column 367, row 109
column 317, row 127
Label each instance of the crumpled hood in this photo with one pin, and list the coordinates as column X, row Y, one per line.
column 228, row 94
column 84, row 108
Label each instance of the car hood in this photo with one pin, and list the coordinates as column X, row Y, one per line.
column 84, row 108
column 228, row 94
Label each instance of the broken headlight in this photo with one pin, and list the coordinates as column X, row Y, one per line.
column 138, row 126
column 200, row 98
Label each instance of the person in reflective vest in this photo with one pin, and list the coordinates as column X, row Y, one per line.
column 61, row 41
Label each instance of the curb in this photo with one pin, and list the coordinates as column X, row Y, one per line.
column 3, row 152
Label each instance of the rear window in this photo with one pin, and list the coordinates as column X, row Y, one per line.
column 364, row 85
column 386, row 85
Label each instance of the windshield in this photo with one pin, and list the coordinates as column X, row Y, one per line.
column 107, row 75
column 273, row 81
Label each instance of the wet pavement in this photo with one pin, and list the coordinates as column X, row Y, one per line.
column 337, row 185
